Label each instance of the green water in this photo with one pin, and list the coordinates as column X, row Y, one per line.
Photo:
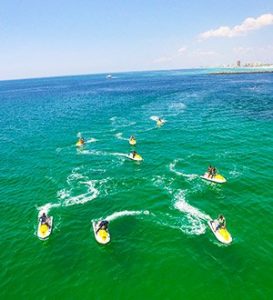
column 161, row 246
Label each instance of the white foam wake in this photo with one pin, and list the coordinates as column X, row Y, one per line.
column 119, row 136
column 192, row 222
column 195, row 217
column 121, row 122
column 235, row 173
column 184, row 206
column 92, row 152
column 118, row 154
column 123, row 213
column 154, row 118
column 74, row 176
column 177, row 106
column 113, row 119
column 80, row 189
column 82, row 198
column 91, row 140
column 148, row 129
column 91, row 193
column 47, row 207
column 88, row 140
column 179, row 173
column 102, row 153
column 76, row 182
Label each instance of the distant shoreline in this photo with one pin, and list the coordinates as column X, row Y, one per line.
column 241, row 72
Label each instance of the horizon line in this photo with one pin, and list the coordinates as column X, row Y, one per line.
column 100, row 73
column 131, row 71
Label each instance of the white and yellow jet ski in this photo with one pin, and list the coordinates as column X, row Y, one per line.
column 102, row 235
column 221, row 234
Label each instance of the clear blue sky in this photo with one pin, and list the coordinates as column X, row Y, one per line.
column 63, row 37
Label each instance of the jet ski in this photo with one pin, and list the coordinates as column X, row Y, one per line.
column 80, row 143
column 160, row 122
column 221, row 234
column 44, row 228
column 132, row 141
column 135, row 157
column 102, row 235
column 218, row 178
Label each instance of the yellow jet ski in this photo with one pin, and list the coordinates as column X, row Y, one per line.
column 44, row 229
column 160, row 122
column 218, row 178
column 135, row 156
column 221, row 234
column 132, row 141
column 102, row 235
column 80, row 143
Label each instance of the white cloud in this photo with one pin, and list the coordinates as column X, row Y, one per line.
column 247, row 25
column 182, row 50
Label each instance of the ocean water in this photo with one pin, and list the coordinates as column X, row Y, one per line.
column 161, row 246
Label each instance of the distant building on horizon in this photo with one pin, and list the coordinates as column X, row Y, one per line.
column 238, row 63
column 258, row 65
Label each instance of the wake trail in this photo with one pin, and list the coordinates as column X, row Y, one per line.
column 156, row 118
column 148, row 129
column 194, row 220
column 179, row 173
column 92, row 191
column 102, row 153
column 182, row 205
column 178, row 106
column 195, row 217
column 119, row 136
column 47, row 207
column 117, row 123
column 91, row 140
column 87, row 140
column 124, row 213
column 80, row 190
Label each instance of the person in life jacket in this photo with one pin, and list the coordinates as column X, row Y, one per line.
column 221, row 222
column 103, row 225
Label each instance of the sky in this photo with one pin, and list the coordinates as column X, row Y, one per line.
column 65, row 37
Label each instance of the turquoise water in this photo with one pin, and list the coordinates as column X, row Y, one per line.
column 161, row 246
